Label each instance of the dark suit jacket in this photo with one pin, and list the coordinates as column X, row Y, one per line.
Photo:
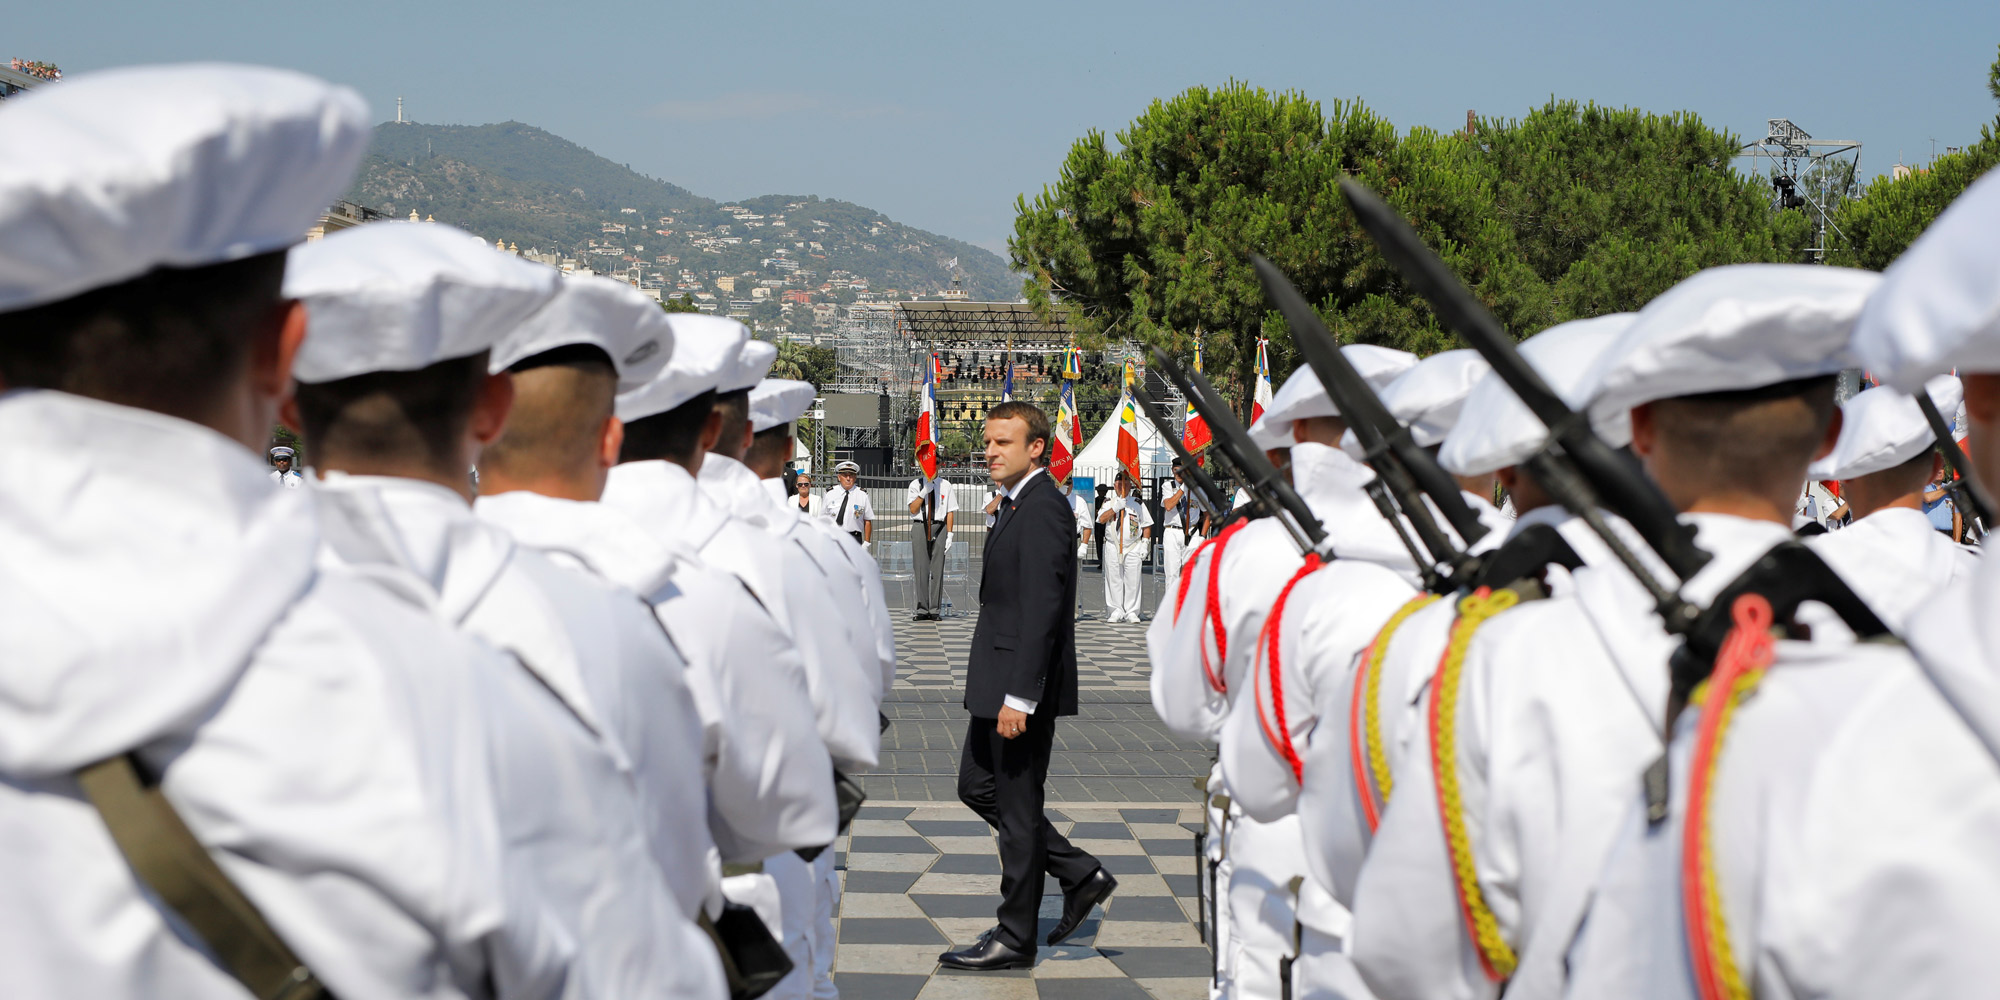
column 1025, row 642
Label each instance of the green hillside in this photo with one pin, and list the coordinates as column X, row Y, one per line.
column 536, row 190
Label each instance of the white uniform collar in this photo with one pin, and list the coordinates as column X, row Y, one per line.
column 422, row 528
column 665, row 498
column 603, row 539
column 738, row 491
column 146, row 559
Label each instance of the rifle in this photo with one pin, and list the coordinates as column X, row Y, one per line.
column 1583, row 473
column 1977, row 503
column 1259, row 475
column 1205, row 491
column 1400, row 466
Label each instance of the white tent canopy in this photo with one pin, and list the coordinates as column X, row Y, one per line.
column 1099, row 458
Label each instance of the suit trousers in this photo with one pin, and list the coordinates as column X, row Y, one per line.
column 927, row 559
column 1001, row 780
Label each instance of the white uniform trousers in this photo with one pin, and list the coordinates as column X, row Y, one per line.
column 1218, row 817
column 1324, row 971
column 827, row 883
column 1175, row 556
column 798, row 900
column 1121, row 581
column 1267, row 861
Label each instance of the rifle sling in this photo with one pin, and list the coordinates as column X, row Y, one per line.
column 180, row 872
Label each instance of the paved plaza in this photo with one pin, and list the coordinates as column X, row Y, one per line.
column 921, row 873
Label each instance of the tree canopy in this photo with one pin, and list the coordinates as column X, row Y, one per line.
column 1573, row 210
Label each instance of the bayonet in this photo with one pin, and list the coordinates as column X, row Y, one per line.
column 1259, row 475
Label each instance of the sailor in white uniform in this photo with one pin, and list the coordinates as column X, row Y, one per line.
column 1316, row 625
column 652, row 486
column 766, row 768
column 1540, row 745
column 281, row 472
column 1201, row 660
column 1128, row 535
column 1845, row 848
column 830, row 623
column 395, row 398
column 855, row 584
column 1886, row 457
column 161, row 609
column 1185, row 524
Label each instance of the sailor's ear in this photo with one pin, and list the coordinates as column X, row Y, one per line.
column 610, row 439
column 489, row 412
column 1645, row 432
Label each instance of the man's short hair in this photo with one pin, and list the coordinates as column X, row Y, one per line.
column 1027, row 413
column 561, row 400
column 417, row 417
column 771, row 442
column 674, row 435
column 1750, row 438
column 171, row 340
column 735, row 407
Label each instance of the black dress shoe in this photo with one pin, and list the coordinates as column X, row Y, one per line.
column 1078, row 901
column 988, row 954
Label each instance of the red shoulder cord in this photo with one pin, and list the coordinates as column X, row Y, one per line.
column 1745, row 653
column 1281, row 736
column 1211, row 614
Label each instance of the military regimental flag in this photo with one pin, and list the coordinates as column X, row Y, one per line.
column 1128, row 428
column 927, row 421
column 1068, row 435
column 1194, row 430
column 1261, row 397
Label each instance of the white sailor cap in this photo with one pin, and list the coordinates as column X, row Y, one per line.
column 282, row 452
column 1939, row 305
column 705, row 349
column 1302, row 396
column 1883, row 428
column 753, row 362
column 776, row 402
column 107, row 176
column 400, row 296
column 1427, row 398
column 1495, row 429
column 628, row 325
column 846, row 467
column 1732, row 328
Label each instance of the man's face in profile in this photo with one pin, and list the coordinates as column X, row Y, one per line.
column 1008, row 453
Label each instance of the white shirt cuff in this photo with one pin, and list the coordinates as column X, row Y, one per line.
column 1021, row 705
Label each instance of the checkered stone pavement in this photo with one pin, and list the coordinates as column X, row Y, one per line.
column 921, row 878
column 921, row 873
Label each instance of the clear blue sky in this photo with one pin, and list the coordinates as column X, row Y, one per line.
column 941, row 114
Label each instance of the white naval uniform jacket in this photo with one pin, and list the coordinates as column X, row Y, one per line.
column 842, row 671
column 1854, row 811
column 767, row 771
column 569, row 807
column 874, row 599
column 1895, row 561
column 308, row 724
column 1256, row 564
column 1559, row 710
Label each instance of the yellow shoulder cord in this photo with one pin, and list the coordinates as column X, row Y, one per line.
column 1740, row 664
column 1367, row 757
column 1496, row 956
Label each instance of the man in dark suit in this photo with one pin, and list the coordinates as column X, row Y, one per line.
column 1021, row 676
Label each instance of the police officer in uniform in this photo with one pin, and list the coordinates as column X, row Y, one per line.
column 848, row 504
